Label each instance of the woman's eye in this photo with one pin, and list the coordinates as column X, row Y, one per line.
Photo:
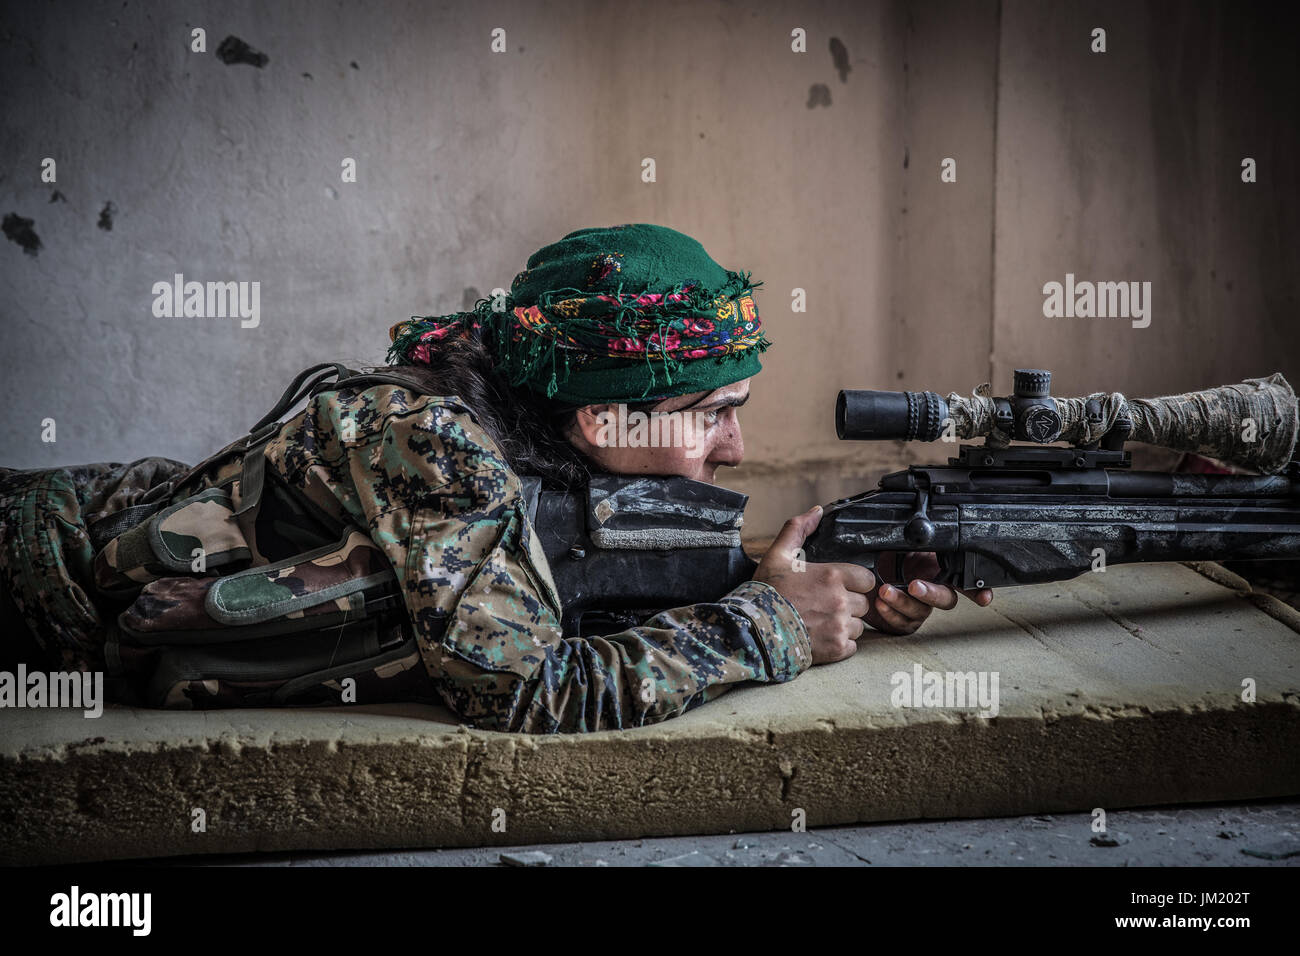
column 711, row 418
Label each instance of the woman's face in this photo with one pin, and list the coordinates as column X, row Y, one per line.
column 688, row 435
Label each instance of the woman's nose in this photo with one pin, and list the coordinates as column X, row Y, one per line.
column 730, row 449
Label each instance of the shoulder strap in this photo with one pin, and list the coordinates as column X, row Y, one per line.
column 306, row 383
column 292, row 396
column 391, row 377
column 266, row 427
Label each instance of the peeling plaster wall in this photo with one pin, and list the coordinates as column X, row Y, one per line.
column 816, row 171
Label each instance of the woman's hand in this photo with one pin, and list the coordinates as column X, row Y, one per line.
column 897, row 611
column 831, row 598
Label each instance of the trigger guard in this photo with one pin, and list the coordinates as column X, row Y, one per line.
column 947, row 569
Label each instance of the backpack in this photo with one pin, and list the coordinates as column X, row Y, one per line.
column 244, row 593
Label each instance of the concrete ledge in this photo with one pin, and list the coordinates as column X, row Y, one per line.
column 1116, row 690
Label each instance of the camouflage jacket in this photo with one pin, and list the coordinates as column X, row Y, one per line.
column 419, row 476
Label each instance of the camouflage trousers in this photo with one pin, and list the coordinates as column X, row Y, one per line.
column 46, row 558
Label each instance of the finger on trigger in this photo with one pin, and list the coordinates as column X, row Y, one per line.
column 904, row 603
column 935, row 595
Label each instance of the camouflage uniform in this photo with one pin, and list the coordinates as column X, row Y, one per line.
column 431, row 490
column 46, row 557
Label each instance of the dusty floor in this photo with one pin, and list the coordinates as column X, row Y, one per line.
column 1261, row 833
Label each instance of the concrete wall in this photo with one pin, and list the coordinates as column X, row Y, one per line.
column 1128, row 166
column 1117, row 166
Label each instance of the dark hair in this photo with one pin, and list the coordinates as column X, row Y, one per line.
column 530, row 429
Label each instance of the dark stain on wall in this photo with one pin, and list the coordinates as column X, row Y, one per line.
column 57, row 196
column 819, row 94
column 19, row 230
column 106, row 216
column 234, row 50
column 840, row 57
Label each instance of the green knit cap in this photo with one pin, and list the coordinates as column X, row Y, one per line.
column 621, row 314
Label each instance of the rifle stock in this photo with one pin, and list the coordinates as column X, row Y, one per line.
column 624, row 548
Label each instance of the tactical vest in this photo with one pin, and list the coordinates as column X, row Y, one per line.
column 236, row 590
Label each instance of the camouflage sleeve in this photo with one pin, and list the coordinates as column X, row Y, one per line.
column 484, row 606
column 46, row 555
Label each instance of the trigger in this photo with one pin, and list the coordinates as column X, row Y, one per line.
column 947, row 568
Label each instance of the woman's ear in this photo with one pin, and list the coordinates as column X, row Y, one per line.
column 592, row 425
